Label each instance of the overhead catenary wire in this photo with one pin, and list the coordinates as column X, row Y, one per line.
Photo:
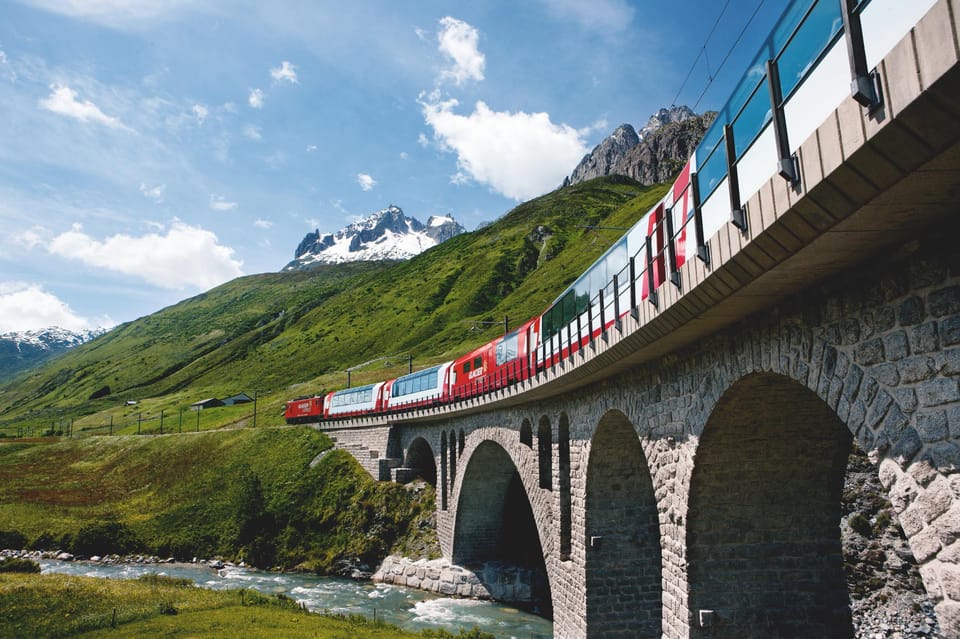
column 729, row 52
column 712, row 74
column 703, row 50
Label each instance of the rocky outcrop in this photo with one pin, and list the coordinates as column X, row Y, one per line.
column 654, row 155
column 663, row 152
column 601, row 160
column 887, row 597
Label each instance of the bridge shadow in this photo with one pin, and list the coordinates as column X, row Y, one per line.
column 623, row 557
column 763, row 523
column 496, row 534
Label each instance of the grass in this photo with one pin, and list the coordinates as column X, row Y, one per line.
column 248, row 495
column 52, row 606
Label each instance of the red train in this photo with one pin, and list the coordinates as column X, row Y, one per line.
column 626, row 273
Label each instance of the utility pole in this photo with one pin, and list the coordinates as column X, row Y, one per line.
column 255, row 393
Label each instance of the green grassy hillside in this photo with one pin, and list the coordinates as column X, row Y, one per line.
column 289, row 334
column 241, row 494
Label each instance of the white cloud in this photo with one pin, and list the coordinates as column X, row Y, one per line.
column 262, row 224
column 220, row 203
column 365, row 181
column 285, row 71
column 201, row 112
column 31, row 238
column 252, row 132
column 28, row 307
column 115, row 13
column 311, row 148
column 404, row 155
column 458, row 42
column 7, row 70
column 255, row 99
column 423, row 140
column 599, row 15
column 186, row 256
column 63, row 100
column 154, row 193
column 519, row 155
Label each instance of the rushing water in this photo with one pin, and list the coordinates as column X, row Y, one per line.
column 407, row 608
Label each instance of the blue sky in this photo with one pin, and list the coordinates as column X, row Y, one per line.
column 152, row 149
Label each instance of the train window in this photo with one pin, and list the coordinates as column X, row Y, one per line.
column 507, row 348
column 466, row 367
column 477, row 363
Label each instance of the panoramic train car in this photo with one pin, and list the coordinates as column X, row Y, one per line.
column 304, row 410
column 602, row 295
column 355, row 401
column 423, row 388
column 494, row 365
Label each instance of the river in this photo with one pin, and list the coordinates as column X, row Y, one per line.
column 404, row 607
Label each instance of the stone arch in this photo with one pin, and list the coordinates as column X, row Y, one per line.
column 545, row 453
column 421, row 462
column 495, row 521
column 623, row 557
column 526, row 433
column 763, row 540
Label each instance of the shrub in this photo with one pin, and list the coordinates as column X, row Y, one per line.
column 104, row 538
column 860, row 524
column 15, row 564
column 12, row 540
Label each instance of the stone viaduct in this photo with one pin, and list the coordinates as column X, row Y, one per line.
column 681, row 476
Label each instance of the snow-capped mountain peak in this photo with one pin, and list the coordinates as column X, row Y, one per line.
column 20, row 350
column 385, row 235
column 50, row 338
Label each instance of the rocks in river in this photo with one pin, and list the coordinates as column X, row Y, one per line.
column 433, row 575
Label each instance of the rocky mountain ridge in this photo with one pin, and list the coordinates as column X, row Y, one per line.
column 653, row 155
column 388, row 234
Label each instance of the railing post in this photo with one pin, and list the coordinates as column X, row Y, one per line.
column 603, row 313
column 786, row 163
column 634, row 311
column 590, row 324
column 737, row 217
column 865, row 86
column 616, row 302
column 651, row 291
column 671, row 248
column 703, row 251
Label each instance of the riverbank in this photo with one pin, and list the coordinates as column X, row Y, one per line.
column 56, row 605
column 409, row 609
